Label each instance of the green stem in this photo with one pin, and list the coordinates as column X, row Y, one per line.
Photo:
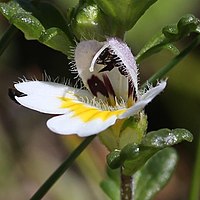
column 61, row 169
column 7, row 37
column 160, row 74
column 195, row 185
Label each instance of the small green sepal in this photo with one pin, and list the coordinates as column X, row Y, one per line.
column 133, row 130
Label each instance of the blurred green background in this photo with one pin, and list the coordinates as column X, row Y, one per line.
column 29, row 152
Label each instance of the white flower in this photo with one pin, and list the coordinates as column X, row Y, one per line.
column 109, row 73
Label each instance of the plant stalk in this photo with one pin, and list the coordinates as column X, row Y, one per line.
column 126, row 190
column 61, row 169
column 195, row 185
column 165, row 69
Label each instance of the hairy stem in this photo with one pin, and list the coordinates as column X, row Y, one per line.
column 126, row 191
column 61, row 169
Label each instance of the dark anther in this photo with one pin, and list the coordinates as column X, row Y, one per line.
column 108, row 85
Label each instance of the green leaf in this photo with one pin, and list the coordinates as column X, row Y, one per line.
column 56, row 39
column 169, row 34
column 166, row 137
column 111, row 189
column 124, row 12
column 155, row 45
column 89, row 22
column 27, row 23
column 40, row 22
column 114, row 174
column 133, row 156
column 111, row 184
column 186, row 25
column 134, row 160
column 22, row 19
column 155, row 174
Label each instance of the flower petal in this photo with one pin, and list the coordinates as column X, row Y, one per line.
column 67, row 125
column 82, row 119
column 124, row 53
column 46, row 96
column 144, row 100
column 108, row 69
column 44, row 88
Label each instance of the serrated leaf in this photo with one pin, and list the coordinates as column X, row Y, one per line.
column 56, row 39
column 169, row 34
column 11, row 8
column 32, row 21
column 28, row 24
column 155, row 174
column 22, row 19
column 166, row 137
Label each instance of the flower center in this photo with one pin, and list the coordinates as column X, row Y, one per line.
column 110, row 78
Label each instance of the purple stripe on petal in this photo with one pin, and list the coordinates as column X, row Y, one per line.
column 96, row 85
column 108, row 85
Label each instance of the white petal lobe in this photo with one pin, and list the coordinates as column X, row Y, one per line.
column 67, row 125
column 144, row 100
column 46, row 97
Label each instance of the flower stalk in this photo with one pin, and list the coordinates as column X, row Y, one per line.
column 61, row 169
column 127, row 184
column 195, row 184
column 165, row 69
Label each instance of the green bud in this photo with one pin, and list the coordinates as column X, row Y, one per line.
column 114, row 160
column 130, row 151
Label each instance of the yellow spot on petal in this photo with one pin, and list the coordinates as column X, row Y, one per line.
column 87, row 113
